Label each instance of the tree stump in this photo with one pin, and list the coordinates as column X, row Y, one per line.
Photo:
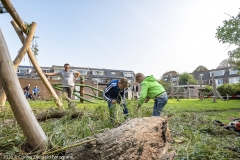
column 142, row 139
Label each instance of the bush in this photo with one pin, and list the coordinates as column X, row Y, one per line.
column 226, row 88
column 208, row 88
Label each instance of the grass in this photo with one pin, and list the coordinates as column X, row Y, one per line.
column 190, row 121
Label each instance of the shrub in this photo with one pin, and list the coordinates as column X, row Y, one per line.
column 226, row 88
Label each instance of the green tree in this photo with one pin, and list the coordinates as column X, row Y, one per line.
column 173, row 73
column 186, row 77
column 166, row 85
column 200, row 68
column 229, row 33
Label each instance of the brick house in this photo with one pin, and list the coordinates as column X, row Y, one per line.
column 96, row 77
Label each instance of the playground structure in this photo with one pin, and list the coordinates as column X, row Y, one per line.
column 11, row 86
column 80, row 94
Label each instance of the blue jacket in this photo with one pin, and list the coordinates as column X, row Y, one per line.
column 113, row 92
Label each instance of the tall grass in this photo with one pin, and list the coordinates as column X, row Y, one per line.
column 190, row 121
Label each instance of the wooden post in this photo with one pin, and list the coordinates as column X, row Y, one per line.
column 82, row 88
column 20, row 106
column 201, row 93
column 21, row 53
column 177, row 90
column 172, row 87
column 189, row 96
column 214, row 88
column 11, row 10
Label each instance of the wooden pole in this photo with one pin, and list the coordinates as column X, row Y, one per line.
column 214, row 88
column 19, row 31
column 201, row 92
column 177, row 90
column 21, row 53
column 172, row 87
column 20, row 106
column 11, row 10
column 43, row 78
column 82, row 88
column 188, row 90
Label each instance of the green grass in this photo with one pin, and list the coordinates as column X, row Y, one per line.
column 190, row 121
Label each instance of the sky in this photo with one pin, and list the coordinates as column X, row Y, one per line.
column 148, row 36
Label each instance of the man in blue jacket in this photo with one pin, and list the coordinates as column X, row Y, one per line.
column 115, row 93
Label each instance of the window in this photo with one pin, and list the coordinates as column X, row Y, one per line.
column 128, row 74
column 99, row 80
column 165, row 79
column 46, row 70
column 217, row 73
column 113, row 73
column 174, row 79
column 232, row 71
column 24, row 70
column 56, row 70
column 96, row 72
column 234, row 80
column 219, row 82
column 81, row 71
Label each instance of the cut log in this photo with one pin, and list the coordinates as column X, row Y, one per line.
column 142, row 139
column 57, row 114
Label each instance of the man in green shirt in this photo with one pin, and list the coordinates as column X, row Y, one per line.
column 151, row 89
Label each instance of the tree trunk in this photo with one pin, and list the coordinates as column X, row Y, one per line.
column 142, row 139
column 20, row 106
column 21, row 53
column 58, row 114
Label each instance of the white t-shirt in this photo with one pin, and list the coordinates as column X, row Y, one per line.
column 67, row 77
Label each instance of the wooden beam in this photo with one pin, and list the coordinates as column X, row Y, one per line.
column 11, row 10
column 20, row 106
column 214, row 88
column 19, row 31
column 43, row 77
column 21, row 53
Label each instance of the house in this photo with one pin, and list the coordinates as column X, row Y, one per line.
column 221, row 76
column 96, row 77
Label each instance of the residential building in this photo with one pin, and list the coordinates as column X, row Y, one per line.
column 96, row 77
column 221, row 76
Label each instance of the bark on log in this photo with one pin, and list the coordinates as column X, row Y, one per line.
column 20, row 106
column 57, row 114
column 21, row 54
column 142, row 139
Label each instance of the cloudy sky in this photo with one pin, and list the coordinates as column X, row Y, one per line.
column 148, row 36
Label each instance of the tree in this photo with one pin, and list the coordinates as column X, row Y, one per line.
column 200, row 68
column 229, row 33
column 173, row 73
column 186, row 77
column 225, row 63
column 166, row 85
